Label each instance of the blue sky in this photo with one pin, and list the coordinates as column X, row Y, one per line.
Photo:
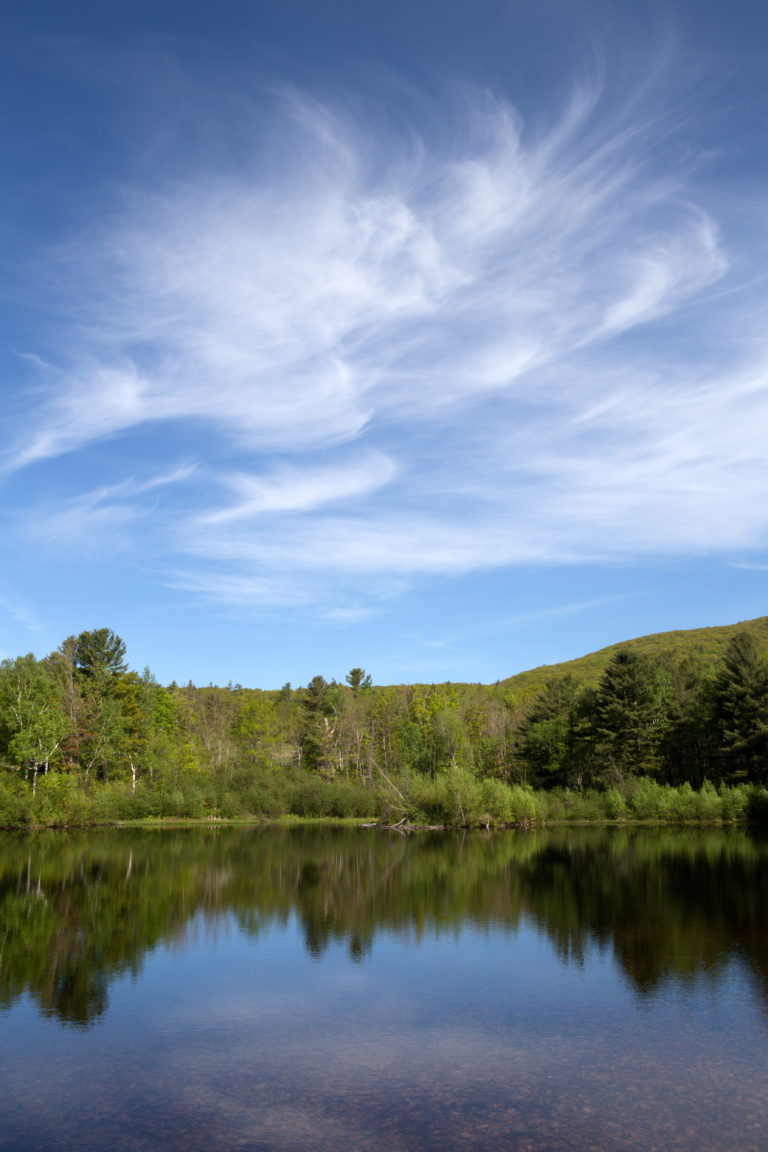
column 431, row 338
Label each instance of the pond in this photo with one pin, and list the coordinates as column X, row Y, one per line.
column 308, row 988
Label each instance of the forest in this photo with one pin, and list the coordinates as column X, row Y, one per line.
column 650, row 731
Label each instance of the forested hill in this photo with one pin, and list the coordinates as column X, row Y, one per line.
column 704, row 645
column 83, row 738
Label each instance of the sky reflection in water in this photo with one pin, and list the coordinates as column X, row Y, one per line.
column 279, row 990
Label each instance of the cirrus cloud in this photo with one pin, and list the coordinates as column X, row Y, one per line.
column 406, row 354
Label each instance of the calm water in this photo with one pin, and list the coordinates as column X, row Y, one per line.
column 329, row 989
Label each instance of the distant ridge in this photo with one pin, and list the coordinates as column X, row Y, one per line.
column 706, row 645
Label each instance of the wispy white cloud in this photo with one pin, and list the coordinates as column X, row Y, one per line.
column 291, row 489
column 19, row 611
column 98, row 521
column 415, row 356
column 241, row 590
column 553, row 612
column 350, row 615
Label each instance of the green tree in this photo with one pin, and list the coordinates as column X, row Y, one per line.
column 740, row 705
column 548, row 738
column 355, row 729
column 358, row 678
column 100, row 655
column 141, row 741
column 33, row 722
column 315, row 696
column 319, row 729
column 215, row 711
column 690, row 741
column 628, row 714
column 257, row 728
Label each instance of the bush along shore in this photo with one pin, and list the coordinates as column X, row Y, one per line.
column 452, row 800
column 665, row 736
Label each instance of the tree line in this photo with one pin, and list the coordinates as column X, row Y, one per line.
column 83, row 738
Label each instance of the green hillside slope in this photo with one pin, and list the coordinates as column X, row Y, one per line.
column 703, row 644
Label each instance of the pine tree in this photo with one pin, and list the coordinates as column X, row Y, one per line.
column 628, row 714
column 740, row 699
column 100, row 654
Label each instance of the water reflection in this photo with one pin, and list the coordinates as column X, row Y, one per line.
column 79, row 910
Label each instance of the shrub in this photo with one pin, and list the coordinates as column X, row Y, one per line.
column 424, row 800
column 650, row 801
column 460, row 796
column 306, row 797
column 614, row 804
column 110, row 802
column 58, row 800
column 230, row 805
column 706, row 804
column 145, row 803
column 552, row 805
column 15, row 803
column 734, row 801
column 266, row 797
column 684, row 803
column 496, row 800
column 525, row 805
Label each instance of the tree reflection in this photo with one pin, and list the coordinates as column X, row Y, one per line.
column 79, row 910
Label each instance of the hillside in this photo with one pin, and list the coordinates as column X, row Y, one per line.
column 703, row 644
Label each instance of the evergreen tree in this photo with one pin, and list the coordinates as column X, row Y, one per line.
column 357, row 678
column 548, row 738
column 315, row 698
column 689, row 742
column 319, row 728
column 100, row 655
column 740, row 703
column 98, row 663
column 628, row 714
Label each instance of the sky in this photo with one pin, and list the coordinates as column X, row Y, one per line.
column 426, row 337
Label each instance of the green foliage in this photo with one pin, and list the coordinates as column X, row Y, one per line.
column 649, row 800
column 58, row 800
column 548, row 747
column 704, row 646
column 100, row 655
column 628, row 716
column 15, row 803
column 497, row 801
column 740, row 698
column 358, row 679
column 689, row 742
column 455, row 798
column 32, row 719
column 460, row 796
column 734, row 803
column 84, row 740
column 615, row 804
column 525, row 805
column 316, row 696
